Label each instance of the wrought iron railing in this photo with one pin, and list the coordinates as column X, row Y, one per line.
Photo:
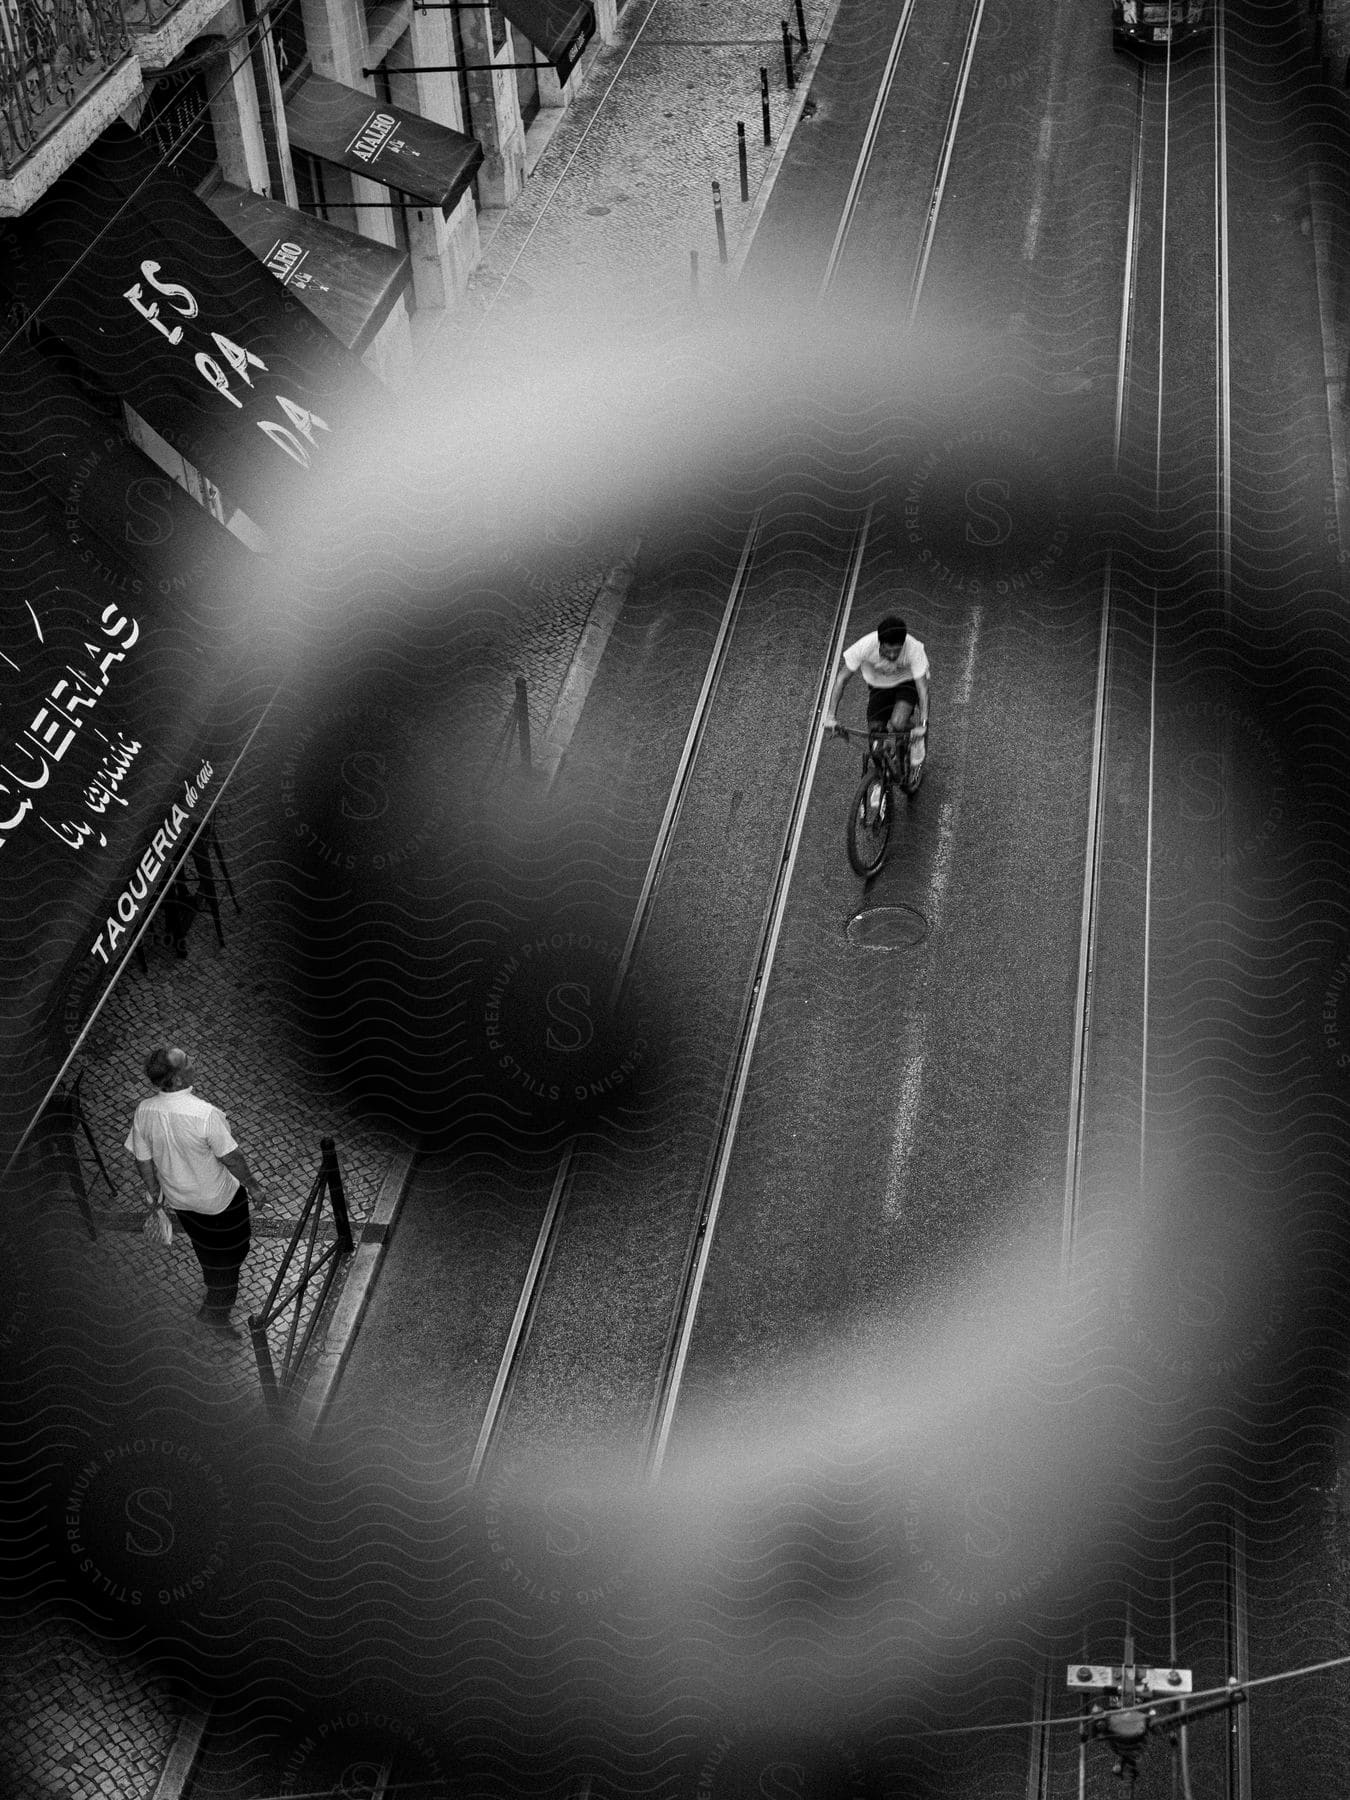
column 277, row 1382
column 146, row 15
column 51, row 53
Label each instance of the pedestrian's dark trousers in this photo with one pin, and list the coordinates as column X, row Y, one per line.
column 221, row 1242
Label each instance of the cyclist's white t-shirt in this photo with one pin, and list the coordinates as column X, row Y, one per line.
column 911, row 663
column 185, row 1138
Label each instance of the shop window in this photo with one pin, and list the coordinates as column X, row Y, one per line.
column 310, row 189
column 177, row 121
column 399, row 206
column 527, row 79
column 292, row 47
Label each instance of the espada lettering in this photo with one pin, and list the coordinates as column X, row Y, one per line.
column 373, row 136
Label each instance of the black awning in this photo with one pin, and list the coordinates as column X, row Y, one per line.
column 348, row 282
column 386, row 143
column 559, row 29
column 116, row 732
column 119, row 511
column 164, row 306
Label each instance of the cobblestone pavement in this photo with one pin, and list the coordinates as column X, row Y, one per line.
column 622, row 193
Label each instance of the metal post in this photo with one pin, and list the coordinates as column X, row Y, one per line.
column 332, row 1176
column 721, row 227
column 523, row 720
column 693, row 273
column 787, row 54
column 740, row 154
column 267, row 1375
column 801, row 28
column 764, row 103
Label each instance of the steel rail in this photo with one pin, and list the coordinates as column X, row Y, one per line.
column 662, row 1414
column 1239, row 1772
column 546, row 1239
column 1092, row 856
column 1239, row 1758
column 1223, row 399
column 945, row 160
column 864, row 160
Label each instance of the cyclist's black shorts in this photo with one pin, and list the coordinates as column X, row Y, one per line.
column 881, row 703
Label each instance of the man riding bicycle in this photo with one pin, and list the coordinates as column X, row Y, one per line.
column 894, row 667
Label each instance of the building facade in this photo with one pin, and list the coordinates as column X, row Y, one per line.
column 222, row 228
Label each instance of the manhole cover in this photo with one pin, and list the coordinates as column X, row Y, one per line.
column 887, row 928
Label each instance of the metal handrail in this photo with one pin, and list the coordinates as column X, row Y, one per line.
column 277, row 1384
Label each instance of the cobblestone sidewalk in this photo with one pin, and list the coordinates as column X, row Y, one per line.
column 621, row 195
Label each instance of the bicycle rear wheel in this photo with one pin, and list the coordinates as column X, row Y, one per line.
column 869, row 825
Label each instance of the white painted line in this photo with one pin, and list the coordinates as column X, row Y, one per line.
column 911, row 1080
column 1033, row 230
column 942, row 861
column 967, row 677
column 902, row 1137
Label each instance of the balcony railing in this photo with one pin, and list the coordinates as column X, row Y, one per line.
column 147, row 15
column 51, row 53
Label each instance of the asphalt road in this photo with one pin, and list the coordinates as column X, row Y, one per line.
column 914, row 1471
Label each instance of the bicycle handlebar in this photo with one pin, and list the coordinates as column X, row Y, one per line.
column 852, row 731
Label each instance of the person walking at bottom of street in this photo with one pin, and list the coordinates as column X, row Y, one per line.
column 187, row 1157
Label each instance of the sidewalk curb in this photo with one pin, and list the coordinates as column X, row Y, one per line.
column 806, row 75
column 576, row 685
column 357, row 1286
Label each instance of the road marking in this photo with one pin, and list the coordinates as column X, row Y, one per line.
column 911, row 1078
column 1033, row 230
column 967, row 680
column 902, row 1141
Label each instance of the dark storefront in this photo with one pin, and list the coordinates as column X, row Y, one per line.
column 130, row 683
column 559, row 29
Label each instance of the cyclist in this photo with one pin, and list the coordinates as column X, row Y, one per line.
column 894, row 667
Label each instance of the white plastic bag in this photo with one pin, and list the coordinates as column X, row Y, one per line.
column 158, row 1226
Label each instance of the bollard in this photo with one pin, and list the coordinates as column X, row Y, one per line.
column 801, row 28
column 693, row 274
column 523, row 720
column 721, row 227
column 740, row 153
column 787, row 54
column 764, row 103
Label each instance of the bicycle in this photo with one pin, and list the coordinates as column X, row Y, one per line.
column 888, row 765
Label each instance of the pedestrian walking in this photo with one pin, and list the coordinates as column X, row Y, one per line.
column 189, row 1161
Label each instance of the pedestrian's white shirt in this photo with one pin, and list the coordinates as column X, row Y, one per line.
column 185, row 1138
column 909, row 665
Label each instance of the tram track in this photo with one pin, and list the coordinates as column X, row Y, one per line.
column 1124, row 609
column 703, row 1207
column 569, row 1173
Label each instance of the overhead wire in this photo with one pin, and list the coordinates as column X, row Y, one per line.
column 1234, row 1687
column 265, row 19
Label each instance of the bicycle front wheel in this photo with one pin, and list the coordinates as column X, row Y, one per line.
column 869, row 825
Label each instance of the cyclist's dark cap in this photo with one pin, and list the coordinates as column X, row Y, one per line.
column 892, row 630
